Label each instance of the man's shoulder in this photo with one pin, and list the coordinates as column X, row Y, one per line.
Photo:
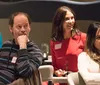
column 7, row 45
column 8, row 42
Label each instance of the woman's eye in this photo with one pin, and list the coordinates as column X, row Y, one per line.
column 72, row 17
column 66, row 19
column 69, row 18
column 98, row 37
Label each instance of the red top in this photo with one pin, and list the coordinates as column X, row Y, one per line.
column 65, row 53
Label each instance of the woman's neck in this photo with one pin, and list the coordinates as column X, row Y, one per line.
column 67, row 35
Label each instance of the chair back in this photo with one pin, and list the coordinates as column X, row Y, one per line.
column 46, row 72
column 73, row 78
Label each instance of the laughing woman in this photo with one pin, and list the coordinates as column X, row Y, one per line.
column 67, row 42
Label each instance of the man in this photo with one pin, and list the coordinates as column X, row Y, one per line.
column 20, row 57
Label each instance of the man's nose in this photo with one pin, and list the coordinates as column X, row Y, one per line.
column 22, row 28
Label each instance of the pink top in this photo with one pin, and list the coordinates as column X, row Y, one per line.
column 65, row 53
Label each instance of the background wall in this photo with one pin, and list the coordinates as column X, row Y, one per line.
column 83, row 0
column 42, row 11
column 40, row 31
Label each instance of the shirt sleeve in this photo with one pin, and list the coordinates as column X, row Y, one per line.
column 29, row 61
column 83, row 64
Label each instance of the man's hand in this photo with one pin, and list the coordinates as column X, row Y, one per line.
column 22, row 41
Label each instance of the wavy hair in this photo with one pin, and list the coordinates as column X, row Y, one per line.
column 57, row 25
column 91, row 50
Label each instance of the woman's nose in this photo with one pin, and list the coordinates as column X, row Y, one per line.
column 70, row 20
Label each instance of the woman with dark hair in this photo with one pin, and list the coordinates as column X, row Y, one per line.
column 89, row 61
column 67, row 41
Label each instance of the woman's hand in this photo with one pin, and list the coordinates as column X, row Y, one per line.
column 60, row 72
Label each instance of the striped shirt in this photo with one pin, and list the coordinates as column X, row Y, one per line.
column 18, row 63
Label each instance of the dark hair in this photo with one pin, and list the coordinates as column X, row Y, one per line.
column 91, row 50
column 11, row 19
column 91, row 34
column 57, row 25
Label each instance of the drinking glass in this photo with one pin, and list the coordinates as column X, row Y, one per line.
column 45, row 50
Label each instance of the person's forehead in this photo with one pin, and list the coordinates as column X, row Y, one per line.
column 20, row 18
column 98, row 31
column 69, row 13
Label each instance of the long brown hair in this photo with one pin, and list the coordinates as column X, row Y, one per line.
column 57, row 25
column 91, row 50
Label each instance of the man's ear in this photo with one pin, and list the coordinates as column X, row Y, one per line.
column 10, row 28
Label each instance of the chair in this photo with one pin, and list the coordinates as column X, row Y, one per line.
column 46, row 74
column 75, row 79
column 59, row 80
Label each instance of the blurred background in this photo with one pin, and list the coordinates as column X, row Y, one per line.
column 40, row 0
column 42, row 12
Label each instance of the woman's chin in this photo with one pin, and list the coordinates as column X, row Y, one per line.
column 68, row 29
